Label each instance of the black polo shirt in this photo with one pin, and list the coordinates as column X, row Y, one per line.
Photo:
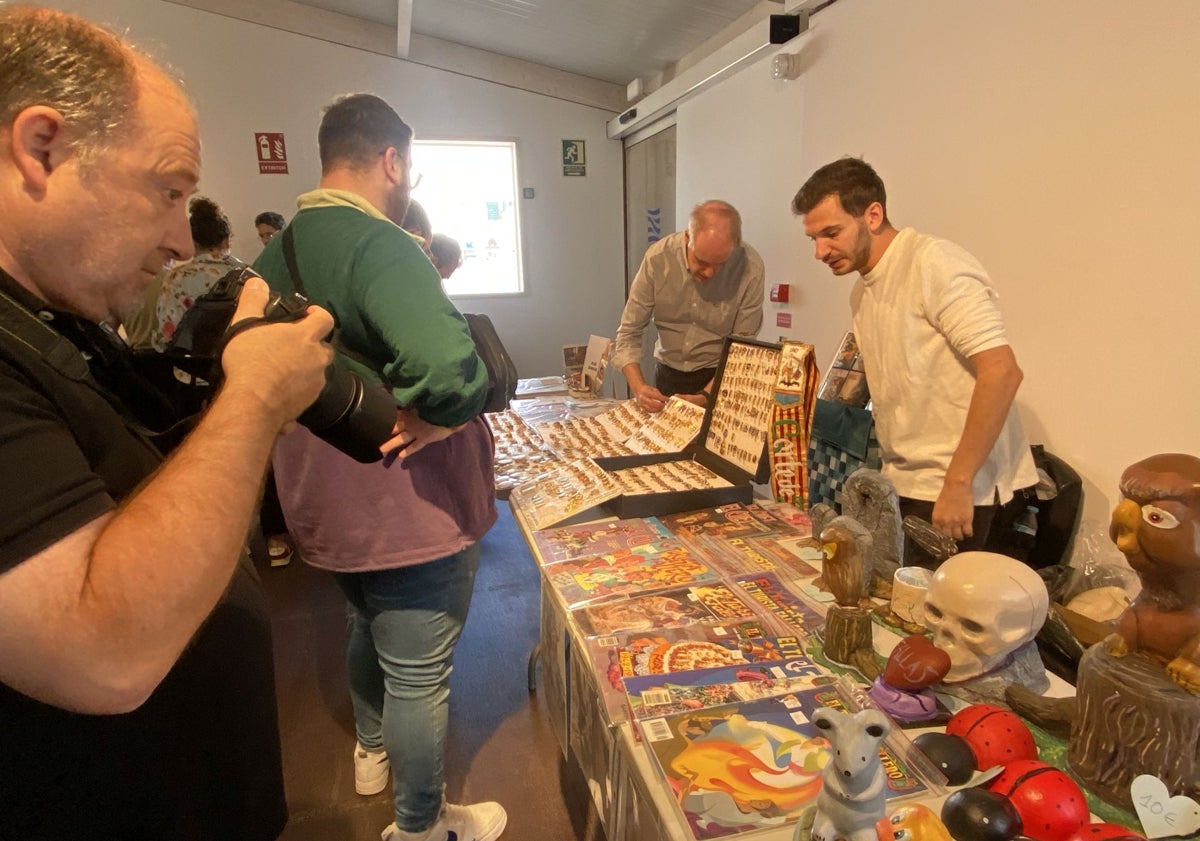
column 200, row 759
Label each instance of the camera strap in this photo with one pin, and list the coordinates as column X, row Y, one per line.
column 289, row 257
column 23, row 327
column 57, row 351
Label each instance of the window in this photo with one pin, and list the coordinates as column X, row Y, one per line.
column 469, row 190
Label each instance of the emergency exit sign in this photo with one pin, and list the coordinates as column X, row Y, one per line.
column 574, row 157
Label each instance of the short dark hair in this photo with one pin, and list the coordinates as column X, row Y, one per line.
column 852, row 180
column 270, row 217
column 71, row 65
column 356, row 128
column 416, row 221
column 210, row 225
column 446, row 250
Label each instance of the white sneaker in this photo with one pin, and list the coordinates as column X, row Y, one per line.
column 480, row 822
column 370, row 770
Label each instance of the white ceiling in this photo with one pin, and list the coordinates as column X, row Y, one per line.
column 612, row 40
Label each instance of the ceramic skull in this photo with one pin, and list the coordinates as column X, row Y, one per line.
column 982, row 607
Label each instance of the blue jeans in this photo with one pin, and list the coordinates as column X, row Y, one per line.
column 404, row 624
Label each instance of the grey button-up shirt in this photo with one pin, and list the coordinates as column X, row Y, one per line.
column 692, row 317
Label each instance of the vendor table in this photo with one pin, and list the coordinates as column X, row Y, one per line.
column 632, row 800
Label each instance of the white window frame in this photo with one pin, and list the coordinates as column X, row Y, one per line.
column 440, row 202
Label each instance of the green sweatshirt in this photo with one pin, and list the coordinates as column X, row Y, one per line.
column 387, row 300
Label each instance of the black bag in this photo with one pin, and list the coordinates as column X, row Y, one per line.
column 502, row 373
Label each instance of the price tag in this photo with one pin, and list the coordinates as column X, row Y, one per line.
column 1161, row 814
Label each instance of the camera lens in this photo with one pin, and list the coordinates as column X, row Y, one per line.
column 354, row 416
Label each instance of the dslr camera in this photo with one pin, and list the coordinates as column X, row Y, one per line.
column 352, row 415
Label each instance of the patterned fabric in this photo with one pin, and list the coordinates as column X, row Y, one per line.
column 791, row 423
column 843, row 440
column 182, row 286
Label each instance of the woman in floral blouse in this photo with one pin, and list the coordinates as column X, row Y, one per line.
column 188, row 281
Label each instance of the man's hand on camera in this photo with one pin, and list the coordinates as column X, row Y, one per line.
column 412, row 434
column 281, row 365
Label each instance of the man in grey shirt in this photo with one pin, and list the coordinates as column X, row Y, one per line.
column 699, row 286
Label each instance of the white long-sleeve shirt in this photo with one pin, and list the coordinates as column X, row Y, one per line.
column 919, row 315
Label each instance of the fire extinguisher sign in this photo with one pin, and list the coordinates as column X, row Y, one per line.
column 272, row 154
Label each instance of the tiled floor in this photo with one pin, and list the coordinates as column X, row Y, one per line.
column 500, row 747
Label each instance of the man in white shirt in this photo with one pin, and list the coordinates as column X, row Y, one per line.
column 941, row 372
column 699, row 286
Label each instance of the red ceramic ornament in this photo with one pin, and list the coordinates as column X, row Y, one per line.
column 995, row 734
column 916, row 664
column 1050, row 803
column 1106, row 832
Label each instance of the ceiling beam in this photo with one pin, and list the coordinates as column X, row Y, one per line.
column 403, row 27
column 360, row 34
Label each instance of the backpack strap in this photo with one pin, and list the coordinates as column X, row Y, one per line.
column 336, row 341
column 289, row 257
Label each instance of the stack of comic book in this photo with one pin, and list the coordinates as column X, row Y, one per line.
column 756, row 763
column 664, row 651
column 630, row 573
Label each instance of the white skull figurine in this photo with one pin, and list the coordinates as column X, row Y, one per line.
column 982, row 607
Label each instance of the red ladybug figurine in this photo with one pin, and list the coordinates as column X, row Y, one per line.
column 996, row 735
column 1051, row 805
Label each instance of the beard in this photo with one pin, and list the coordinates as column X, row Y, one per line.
column 397, row 205
column 859, row 254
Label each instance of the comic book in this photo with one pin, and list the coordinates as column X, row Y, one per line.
column 655, row 652
column 734, row 520
column 675, row 692
column 601, row 538
column 774, row 598
column 795, row 519
column 752, row 765
column 698, row 604
column 740, row 555
column 644, row 569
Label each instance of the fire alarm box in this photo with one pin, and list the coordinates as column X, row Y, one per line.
column 779, row 292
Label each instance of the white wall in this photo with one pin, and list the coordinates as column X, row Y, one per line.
column 247, row 78
column 1059, row 142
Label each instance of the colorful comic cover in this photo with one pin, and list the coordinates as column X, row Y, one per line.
column 676, row 692
column 735, row 520
column 795, row 519
column 695, row 605
column 569, row 542
column 645, row 569
column 739, row 555
column 752, row 765
column 774, row 598
column 696, row 646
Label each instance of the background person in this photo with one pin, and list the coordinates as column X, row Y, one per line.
column 137, row 697
column 698, row 286
column 416, row 222
column 939, row 366
column 402, row 540
column 211, row 238
column 268, row 224
column 447, row 255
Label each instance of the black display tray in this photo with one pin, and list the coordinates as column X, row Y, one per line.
column 629, row 506
column 673, row 502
